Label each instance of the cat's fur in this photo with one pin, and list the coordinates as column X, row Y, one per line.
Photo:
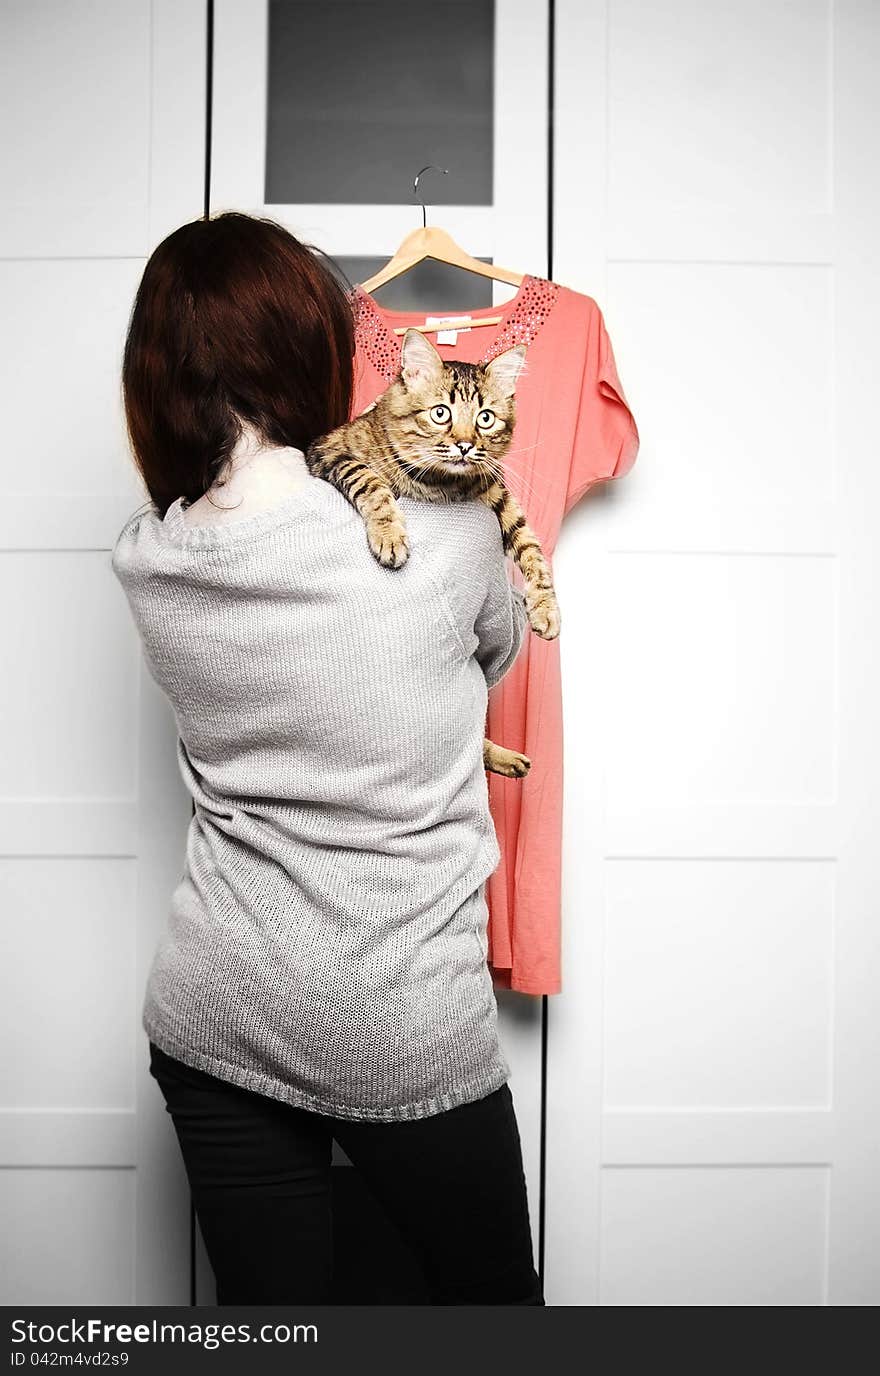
column 404, row 445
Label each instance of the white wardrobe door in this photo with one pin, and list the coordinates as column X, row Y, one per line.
column 711, row 1109
column 106, row 102
column 382, row 66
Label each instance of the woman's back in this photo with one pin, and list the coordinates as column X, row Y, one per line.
column 326, row 942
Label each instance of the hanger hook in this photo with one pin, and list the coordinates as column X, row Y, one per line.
column 444, row 170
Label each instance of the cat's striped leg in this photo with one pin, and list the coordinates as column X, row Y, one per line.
column 521, row 542
column 371, row 497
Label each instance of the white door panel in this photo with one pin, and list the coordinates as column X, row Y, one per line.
column 719, row 107
column 709, row 348
column 718, row 986
column 75, row 102
column 724, row 689
column 710, row 1128
column 68, row 1235
column 717, row 1236
column 61, row 332
column 105, row 107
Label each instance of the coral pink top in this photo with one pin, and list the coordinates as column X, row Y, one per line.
column 573, row 428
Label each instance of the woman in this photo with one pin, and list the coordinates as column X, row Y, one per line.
column 323, row 973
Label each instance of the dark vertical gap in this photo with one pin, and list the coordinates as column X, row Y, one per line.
column 551, row 103
column 191, row 1206
column 545, row 1004
column 542, row 1159
column 192, row 1253
column 209, row 102
column 206, row 211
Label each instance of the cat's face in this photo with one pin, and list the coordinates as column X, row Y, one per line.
column 451, row 419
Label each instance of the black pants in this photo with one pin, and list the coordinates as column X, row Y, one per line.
column 259, row 1173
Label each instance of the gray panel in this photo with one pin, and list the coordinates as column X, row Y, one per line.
column 360, row 96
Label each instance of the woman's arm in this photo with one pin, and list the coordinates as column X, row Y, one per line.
column 500, row 624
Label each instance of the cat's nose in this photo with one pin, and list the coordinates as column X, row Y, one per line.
column 464, row 446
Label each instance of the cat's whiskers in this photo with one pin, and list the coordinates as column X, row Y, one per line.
column 535, row 481
column 423, row 475
column 514, row 453
column 520, row 449
column 527, row 491
column 499, row 474
column 434, row 467
column 419, row 468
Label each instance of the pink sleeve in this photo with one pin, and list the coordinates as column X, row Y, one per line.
column 606, row 439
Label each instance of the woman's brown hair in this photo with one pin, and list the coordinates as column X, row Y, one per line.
column 234, row 318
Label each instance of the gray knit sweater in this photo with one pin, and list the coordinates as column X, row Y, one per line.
column 327, row 943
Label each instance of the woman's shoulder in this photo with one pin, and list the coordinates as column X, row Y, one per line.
column 130, row 538
column 459, row 545
column 470, row 523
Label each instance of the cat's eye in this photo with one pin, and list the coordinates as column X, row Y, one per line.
column 485, row 419
column 440, row 414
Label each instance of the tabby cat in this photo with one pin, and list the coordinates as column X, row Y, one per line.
column 439, row 432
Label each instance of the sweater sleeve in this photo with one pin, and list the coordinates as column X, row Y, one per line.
column 500, row 624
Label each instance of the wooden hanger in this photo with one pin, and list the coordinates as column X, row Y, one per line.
column 432, row 242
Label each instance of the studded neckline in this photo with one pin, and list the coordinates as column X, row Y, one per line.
column 522, row 318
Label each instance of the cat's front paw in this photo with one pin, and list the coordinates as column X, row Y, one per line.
column 543, row 612
column 388, row 541
column 511, row 763
column 516, row 766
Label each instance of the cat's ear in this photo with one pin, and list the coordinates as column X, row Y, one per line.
column 419, row 360
column 504, row 369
